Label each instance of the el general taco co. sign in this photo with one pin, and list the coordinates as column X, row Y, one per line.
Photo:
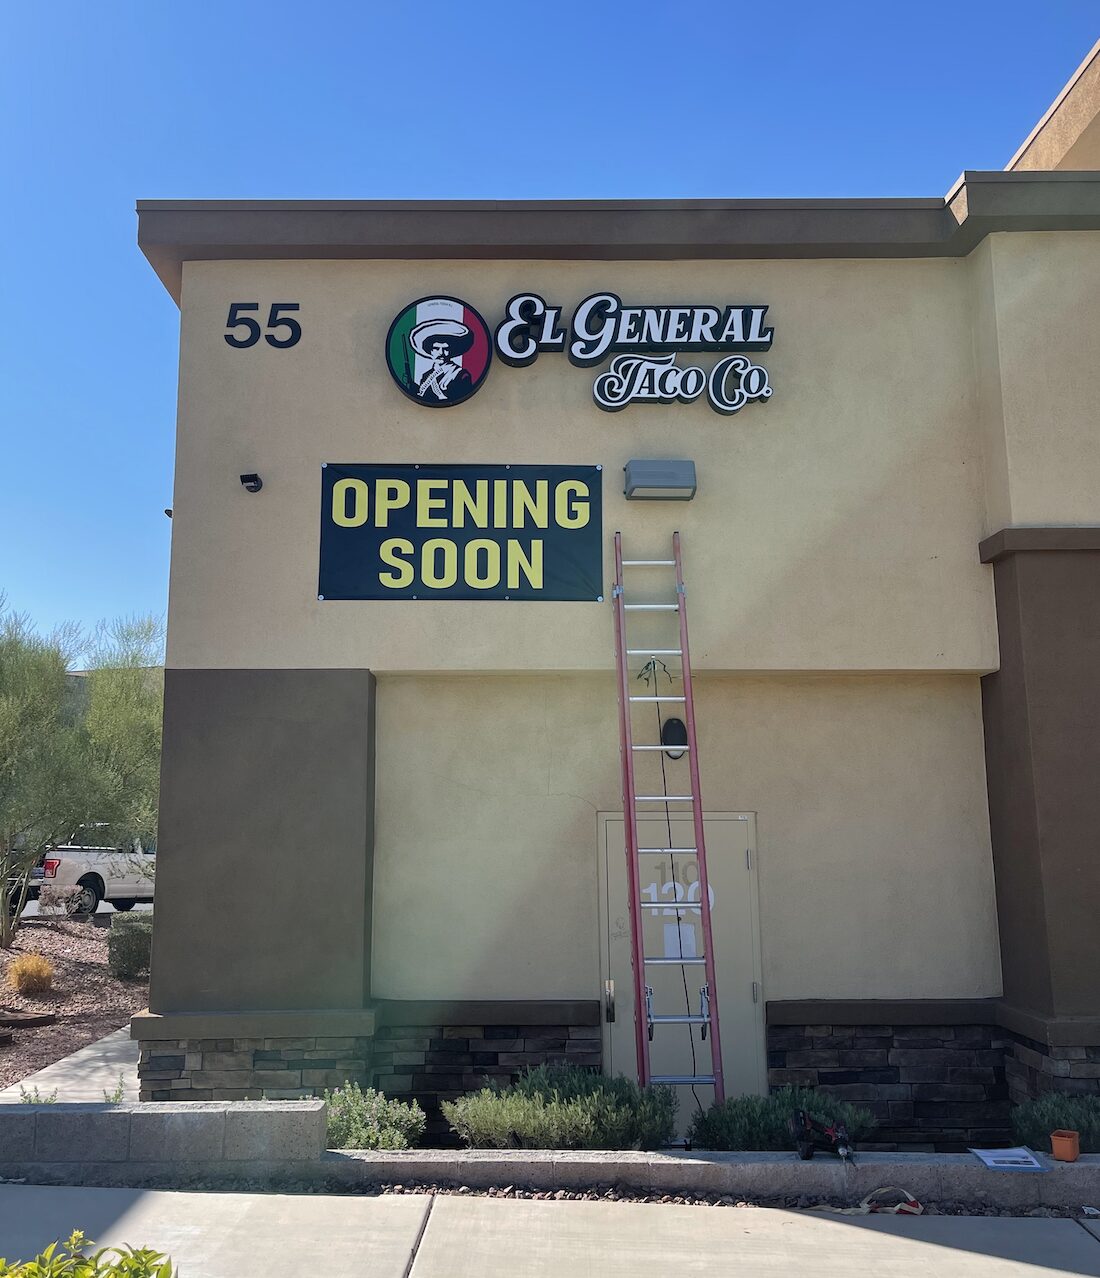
column 439, row 349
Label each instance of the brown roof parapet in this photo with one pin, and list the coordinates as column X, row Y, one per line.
column 171, row 232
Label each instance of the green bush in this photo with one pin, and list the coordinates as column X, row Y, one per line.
column 72, row 1259
column 565, row 1107
column 1033, row 1121
column 368, row 1120
column 762, row 1122
column 129, row 944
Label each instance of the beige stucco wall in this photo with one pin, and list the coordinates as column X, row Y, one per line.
column 840, row 616
column 873, row 842
column 835, row 527
column 1037, row 352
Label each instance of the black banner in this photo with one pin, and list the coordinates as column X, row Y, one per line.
column 461, row 532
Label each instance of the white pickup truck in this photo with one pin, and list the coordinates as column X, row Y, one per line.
column 122, row 876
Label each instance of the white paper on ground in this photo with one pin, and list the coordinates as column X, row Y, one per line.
column 1018, row 1159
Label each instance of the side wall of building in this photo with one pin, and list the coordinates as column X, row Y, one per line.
column 842, row 618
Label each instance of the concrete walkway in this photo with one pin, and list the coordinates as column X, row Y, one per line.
column 271, row 1235
column 87, row 1073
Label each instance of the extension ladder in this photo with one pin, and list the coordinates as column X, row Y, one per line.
column 646, row 1019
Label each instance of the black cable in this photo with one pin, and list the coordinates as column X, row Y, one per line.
column 650, row 669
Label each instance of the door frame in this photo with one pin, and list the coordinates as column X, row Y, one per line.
column 603, row 820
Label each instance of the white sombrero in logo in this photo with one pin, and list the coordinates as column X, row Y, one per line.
column 456, row 336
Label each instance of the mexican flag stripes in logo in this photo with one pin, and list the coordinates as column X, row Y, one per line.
column 438, row 351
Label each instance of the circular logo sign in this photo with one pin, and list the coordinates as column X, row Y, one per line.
column 438, row 351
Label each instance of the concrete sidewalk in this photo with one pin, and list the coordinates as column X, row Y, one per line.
column 86, row 1074
column 271, row 1235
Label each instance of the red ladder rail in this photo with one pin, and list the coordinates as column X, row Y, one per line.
column 697, row 816
column 630, row 821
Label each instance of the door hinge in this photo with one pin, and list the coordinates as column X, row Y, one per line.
column 748, row 858
column 755, row 992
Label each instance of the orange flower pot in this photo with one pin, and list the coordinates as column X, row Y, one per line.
column 1065, row 1146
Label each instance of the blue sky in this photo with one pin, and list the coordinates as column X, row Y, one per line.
column 106, row 103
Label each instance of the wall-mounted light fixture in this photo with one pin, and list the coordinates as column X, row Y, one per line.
column 252, row 483
column 659, row 480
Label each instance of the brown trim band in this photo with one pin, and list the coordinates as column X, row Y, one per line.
column 362, row 1022
column 327, row 1023
column 171, row 232
column 1010, row 541
column 1055, row 1031
column 488, row 1012
column 876, row 1011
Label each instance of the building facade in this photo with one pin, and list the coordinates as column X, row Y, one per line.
column 391, row 843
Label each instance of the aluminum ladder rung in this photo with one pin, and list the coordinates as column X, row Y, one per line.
column 649, row 563
column 679, row 700
column 679, row 1018
column 664, row 798
column 652, row 607
column 666, row 851
column 661, row 747
column 654, row 652
column 674, row 962
column 685, row 1079
column 680, row 906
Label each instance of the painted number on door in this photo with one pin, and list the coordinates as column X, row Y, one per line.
column 674, row 891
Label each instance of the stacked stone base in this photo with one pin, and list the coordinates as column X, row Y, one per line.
column 193, row 1069
column 934, row 1088
column 425, row 1063
column 1033, row 1069
column 434, row 1063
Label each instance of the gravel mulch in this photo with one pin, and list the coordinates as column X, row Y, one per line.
column 88, row 1000
column 620, row 1194
column 804, row 1202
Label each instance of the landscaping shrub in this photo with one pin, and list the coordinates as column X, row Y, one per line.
column 1033, row 1121
column 360, row 1119
column 54, row 900
column 565, row 1107
column 129, row 944
column 73, row 1259
column 30, row 974
column 762, row 1122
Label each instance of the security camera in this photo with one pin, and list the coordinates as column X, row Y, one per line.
column 252, row 483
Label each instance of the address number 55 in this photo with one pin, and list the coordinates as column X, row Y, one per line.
column 238, row 319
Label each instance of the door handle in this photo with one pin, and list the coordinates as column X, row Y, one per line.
column 609, row 1001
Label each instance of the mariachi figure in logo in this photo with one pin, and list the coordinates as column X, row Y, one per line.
column 438, row 351
column 442, row 341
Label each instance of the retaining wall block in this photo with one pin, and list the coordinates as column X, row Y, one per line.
column 274, row 1130
column 185, row 1132
column 81, row 1133
column 17, row 1133
column 921, row 1175
column 962, row 1180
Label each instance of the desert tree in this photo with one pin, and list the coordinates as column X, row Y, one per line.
column 45, row 788
column 77, row 748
